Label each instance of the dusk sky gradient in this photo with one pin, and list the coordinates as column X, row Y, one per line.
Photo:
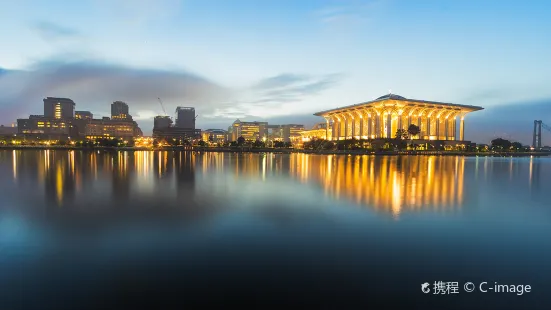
column 280, row 60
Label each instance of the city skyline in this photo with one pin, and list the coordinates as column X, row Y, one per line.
column 280, row 61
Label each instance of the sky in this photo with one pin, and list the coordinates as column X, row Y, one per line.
column 279, row 60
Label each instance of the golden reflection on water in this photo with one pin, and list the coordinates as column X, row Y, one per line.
column 14, row 164
column 389, row 184
column 59, row 182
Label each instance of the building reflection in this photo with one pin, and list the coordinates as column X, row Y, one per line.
column 392, row 184
column 120, row 180
column 59, row 177
column 166, row 179
column 258, row 166
column 184, row 166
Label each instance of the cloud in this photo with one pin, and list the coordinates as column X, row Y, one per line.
column 95, row 85
column 140, row 12
column 281, row 80
column 52, row 31
column 350, row 13
column 277, row 95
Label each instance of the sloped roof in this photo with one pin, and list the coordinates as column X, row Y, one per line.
column 400, row 98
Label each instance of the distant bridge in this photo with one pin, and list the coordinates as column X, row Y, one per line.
column 536, row 140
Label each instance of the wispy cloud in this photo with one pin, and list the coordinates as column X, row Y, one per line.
column 350, row 12
column 140, row 12
column 277, row 95
column 52, row 31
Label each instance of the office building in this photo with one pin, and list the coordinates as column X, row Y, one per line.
column 111, row 128
column 169, row 133
column 284, row 132
column 214, row 135
column 83, row 115
column 119, row 110
column 41, row 127
column 161, row 122
column 60, row 122
column 163, row 129
column 59, row 108
column 185, row 117
column 318, row 131
column 251, row 131
column 8, row 131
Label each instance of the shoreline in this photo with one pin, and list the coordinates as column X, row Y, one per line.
column 284, row 151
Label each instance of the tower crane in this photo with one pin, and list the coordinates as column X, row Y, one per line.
column 162, row 106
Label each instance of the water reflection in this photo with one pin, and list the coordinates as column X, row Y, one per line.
column 198, row 215
column 388, row 184
column 393, row 185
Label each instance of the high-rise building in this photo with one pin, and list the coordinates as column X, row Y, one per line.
column 185, row 117
column 251, row 131
column 83, row 115
column 59, row 108
column 119, row 110
column 162, row 122
column 163, row 129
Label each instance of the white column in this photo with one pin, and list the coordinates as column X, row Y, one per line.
column 327, row 129
column 389, row 125
column 462, row 129
column 454, row 130
column 362, row 133
column 345, row 127
column 353, row 121
column 369, row 125
column 446, row 129
column 336, row 129
column 419, row 123
column 378, row 125
column 437, row 128
column 399, row 121
column 428, row 127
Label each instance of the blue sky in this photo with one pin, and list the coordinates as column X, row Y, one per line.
column 279, row 60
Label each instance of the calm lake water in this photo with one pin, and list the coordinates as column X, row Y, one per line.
column 274, row 229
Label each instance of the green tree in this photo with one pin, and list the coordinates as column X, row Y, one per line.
column 257, row 143
column 279, row 144
column 500, row 144
column 402, row 134
column 517, row 146
column 413, row 130
column 240, row 140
